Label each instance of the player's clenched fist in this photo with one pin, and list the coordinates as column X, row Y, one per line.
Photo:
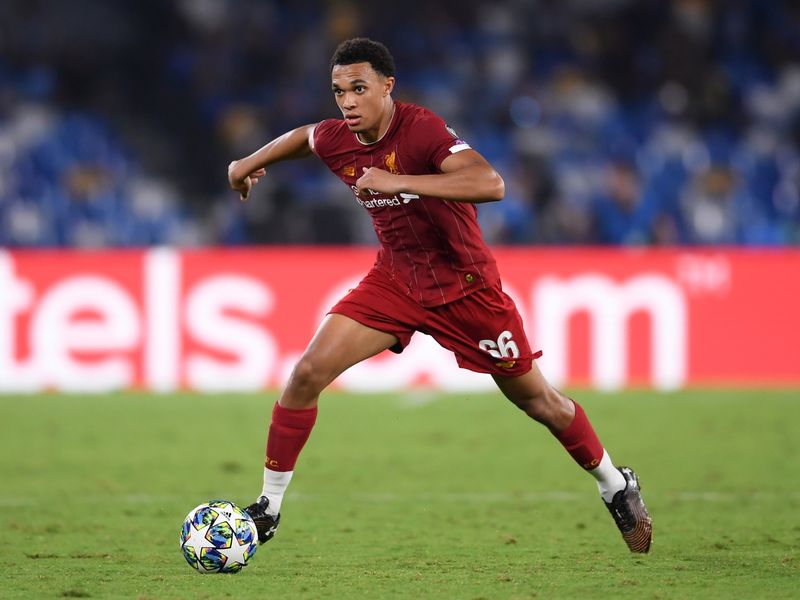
column 378, row 180
column 241, row 181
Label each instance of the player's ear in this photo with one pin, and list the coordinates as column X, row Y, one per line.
column 388, row 86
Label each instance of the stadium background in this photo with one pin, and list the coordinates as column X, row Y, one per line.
column 613, row 121
column 627, row 125
column 651, row 153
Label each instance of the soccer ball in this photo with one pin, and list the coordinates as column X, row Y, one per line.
column 218, row 537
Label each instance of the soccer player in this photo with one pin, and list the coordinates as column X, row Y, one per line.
column 434, row 273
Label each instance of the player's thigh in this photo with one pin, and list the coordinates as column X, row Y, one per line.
column 339, row 343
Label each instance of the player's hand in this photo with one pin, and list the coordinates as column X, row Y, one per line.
column 243, row 182
column 378, row 180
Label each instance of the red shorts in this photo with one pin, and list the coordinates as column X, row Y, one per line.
column 483, row 330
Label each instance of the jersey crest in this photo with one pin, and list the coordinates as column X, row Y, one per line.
column 390, row 160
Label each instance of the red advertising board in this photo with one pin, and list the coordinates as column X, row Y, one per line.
column 237, row 319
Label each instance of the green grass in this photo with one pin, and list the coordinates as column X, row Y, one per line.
column 399, row 496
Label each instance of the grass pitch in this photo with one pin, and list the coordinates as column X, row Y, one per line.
column 402, row 496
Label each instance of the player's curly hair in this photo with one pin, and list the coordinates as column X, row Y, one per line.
column 358, row 50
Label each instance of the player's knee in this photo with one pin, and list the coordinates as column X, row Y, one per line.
column 547, row 406
column 307, row 377
column 536, row 407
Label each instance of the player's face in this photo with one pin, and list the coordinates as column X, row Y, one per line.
column 363, row 97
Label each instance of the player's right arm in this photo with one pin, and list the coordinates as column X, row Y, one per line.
column 245, row 172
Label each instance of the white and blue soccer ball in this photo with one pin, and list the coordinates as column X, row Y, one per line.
column 218, row 537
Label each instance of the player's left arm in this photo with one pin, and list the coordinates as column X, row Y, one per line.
column 465, row 176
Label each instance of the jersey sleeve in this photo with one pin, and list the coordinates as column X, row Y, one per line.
column 435, row 139
column 323, row 137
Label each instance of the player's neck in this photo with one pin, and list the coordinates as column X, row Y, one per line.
column 372, row 136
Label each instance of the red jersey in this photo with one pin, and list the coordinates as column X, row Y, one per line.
column 432, row 248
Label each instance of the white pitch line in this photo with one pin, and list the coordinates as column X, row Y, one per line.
column 555, row 496
column 417, row 398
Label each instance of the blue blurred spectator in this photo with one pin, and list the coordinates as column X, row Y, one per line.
column 613, row 121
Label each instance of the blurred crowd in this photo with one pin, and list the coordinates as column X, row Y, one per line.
column 612, row 121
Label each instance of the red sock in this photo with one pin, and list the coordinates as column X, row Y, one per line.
column 581, row 441
column 288, row 433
